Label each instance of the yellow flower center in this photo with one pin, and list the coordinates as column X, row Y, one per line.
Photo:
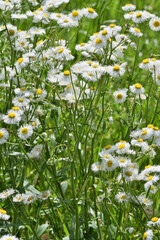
column 1, row 135
column 11, row 32
column 137, row 30
column 153, row 59
column 59, row 15
column 139, row 15
column 98, row 41
column 66, row 73
column 138, row 86
column 34, row 124
column 90, row 74
column 144, row 132
column 154, row 219
column 75, row 13
column 152, row 187
column 122, row 160
column 30, row 199
column 105, row 32
column 119, row 96
column 106, row 156
column 107, row 147
column 3, row 211
column 24, row 130
column 155, row 128
column 45, row 195
column 89, row 62
column 39, row 91
column 128, row 174
column 140, row 140
column 131, row 13
column 128, row 4
column 145, row 61
column 40, row 8
column 11, row 115
column 20, row 100
column 20, row 60
column 90, row 10
column 150, row 126
column 69, row 86
column 121, row 146
column 15, row 108
column 61, row 50
column 44, row 14
column 148, row 166
column 36, row 13
column 82, row 44
column 158, row 77
column 22, row 44
column 112, row 25
column 145, row 200
column 156, row 23
column 149, row 178
column 95, row 66
column 109, row 163
column 145, row 235
column 123, row 197
column 22, row 88
column 65, row 20
column 116, row 68
column 93, row 88
column 39, row 42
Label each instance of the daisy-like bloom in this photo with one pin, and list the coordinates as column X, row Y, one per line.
column 148, row 235
column 25, row 131
column 109, row 163
column 65, row 78
column 41, row 93
column 121, row 197
column 154, row 23
column 130, row 174
column 155, row 221
column 22, row 62
column 129, row 7
column 12, row 30
column 146, row 133
column 62, row 53
column 143, row 200
column 44, row 195
column 140, row 16
column 29, row 198
column 122, row 147
column 156, row 131
column 12, row 117
column 140, row 143
column 116, row 70
column 90, row 76
column 120, row 95
column 137, row 88
column 99, row 42
column 114, row 29
column 136, row 32
column 9, row 237
column 18, row 197
column 35, row 153
column 145, row 64
column 4, row 135
column 152, row 189
column 17, row 110
column 18, row 16
column 76, row 15
column 123, row 161
column 6, row 193
column 3, row 215
column 90, row 13
column 129, row 15
column 66, row 22
column 2, row 28
column 96, row 167
column 36, row 31
column 21, row 101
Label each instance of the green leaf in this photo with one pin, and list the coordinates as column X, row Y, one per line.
column 41, row 229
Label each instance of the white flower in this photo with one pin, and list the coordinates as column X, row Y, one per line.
column 143, row 200
column 4, row 135
column 25, row 131
column 122, row 147
column 90, row 13
column 67, row 22
column 29, row 198
column 44, row 195
column 154, row 23
column 123, row 161
column 41, row 93
column 8, row 237
column 155, row 221
column 21, row 101
column 76, row 14
column 137, row 88
column 136, row 32
column 121, row 197
column 120, row 95
column 12, row 117
column 129, row 7
column 110, row 163
column 96, row 167
column 116, row 70
column 6, row 193
column 22, row 62
column 140, row 16
column 3, row 215
column 148, row 235
column 18, row 197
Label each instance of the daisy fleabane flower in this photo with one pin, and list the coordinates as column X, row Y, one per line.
column 129, row 7
column 121, row 197
column 148, row 235
column 137, row 88
column 154, row 23
column 155, row 221
column 120, row 95
column 6, row 193
column 116, row 70
column 8, row 237
column 3, row 215
column 25, row 131
column 4, row 135
column 136, row 32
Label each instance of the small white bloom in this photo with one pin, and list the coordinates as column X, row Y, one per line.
column 25, row 131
